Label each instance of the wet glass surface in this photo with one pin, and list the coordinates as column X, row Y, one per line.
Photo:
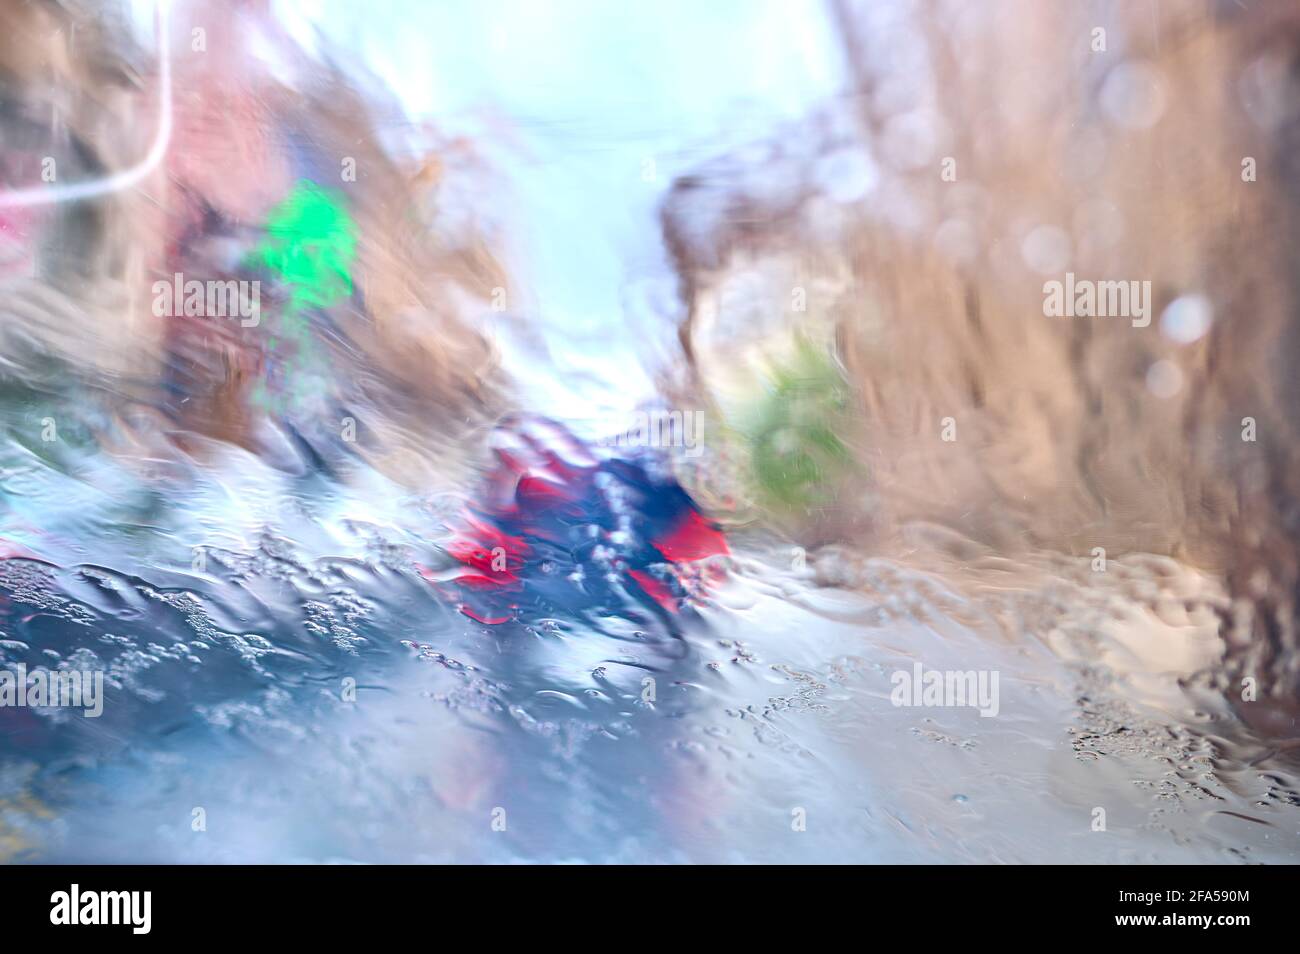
column 482, row 631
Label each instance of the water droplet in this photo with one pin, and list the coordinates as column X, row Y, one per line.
column 1164, row 379
column 1187, row 318
column 1133, row 95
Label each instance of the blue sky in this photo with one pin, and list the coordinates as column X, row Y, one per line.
column 605, row 103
